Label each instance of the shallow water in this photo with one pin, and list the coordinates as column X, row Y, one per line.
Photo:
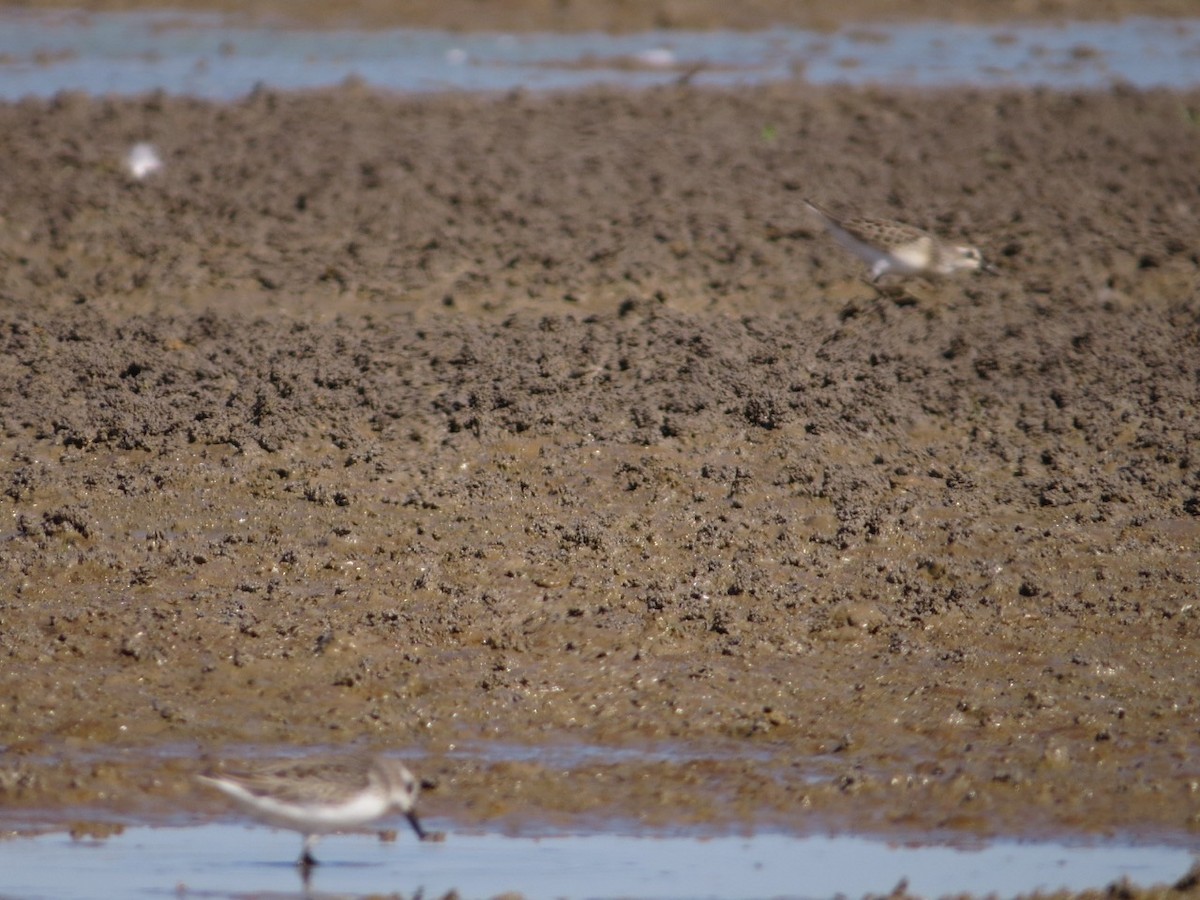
column 205, row 56
column 225, row 860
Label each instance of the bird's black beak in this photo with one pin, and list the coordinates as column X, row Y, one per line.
column 989, row 269
column 416, row 825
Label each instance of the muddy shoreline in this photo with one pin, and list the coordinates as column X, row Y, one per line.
column 423, row 424
column 618, row 16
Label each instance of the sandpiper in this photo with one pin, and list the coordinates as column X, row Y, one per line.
column 319, row 797
column 896, row 248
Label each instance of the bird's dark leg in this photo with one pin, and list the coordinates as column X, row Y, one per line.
column 307, row 860
column 416, row 824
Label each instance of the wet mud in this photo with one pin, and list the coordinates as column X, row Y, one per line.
column 452, row 426
column 622, row 16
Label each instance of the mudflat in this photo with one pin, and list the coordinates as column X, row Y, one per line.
column 456, row 425
column 623, row 16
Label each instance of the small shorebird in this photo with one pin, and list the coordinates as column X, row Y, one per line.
column 895, row 248
column 316, row 798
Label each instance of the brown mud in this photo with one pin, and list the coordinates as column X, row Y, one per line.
column 625, row 16
column 423, row 424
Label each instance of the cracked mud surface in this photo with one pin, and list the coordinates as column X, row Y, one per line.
column 449, row 424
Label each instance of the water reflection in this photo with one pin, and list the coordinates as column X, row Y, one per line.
column 42, row 53
column 223, row 860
